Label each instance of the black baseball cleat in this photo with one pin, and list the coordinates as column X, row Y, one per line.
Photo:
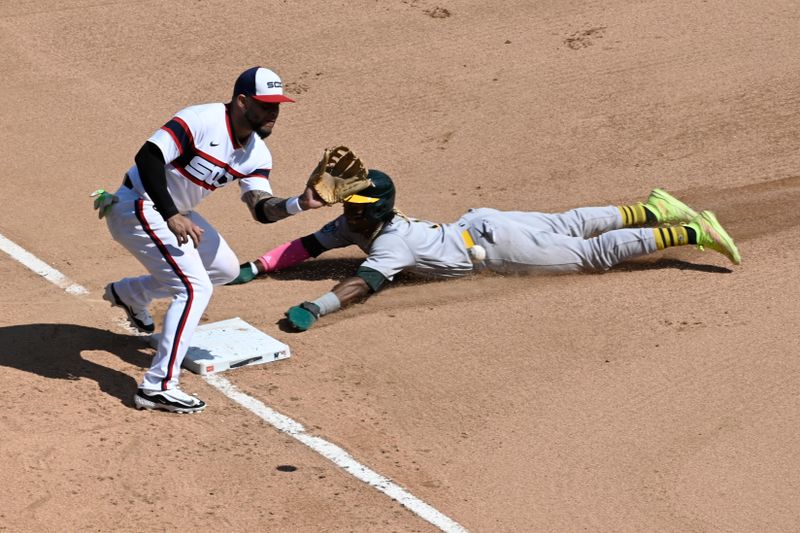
column 139, row 317
column 172, row 400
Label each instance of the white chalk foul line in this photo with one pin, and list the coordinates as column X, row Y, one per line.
column 283, row 423
column 336, row 455
column 40, row 267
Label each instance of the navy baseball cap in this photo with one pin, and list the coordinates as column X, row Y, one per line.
column 261, row 84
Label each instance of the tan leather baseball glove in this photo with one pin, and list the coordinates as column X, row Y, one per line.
column 339, row 174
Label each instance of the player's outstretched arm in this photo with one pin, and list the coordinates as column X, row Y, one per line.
column 267, row 209
column 349, row 291
column 282, row 256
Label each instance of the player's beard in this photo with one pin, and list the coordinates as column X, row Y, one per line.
column 364, row 226
column 261, row 131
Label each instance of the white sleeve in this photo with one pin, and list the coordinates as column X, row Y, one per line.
column 178, row 134
column 258, row 179
column 389, row 255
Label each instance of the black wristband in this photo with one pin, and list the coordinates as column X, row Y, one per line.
column 311, row 308
column 261, row 216
column 271, row 206
column 312, row 245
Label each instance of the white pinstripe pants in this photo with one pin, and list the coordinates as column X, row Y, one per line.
column 184, row 273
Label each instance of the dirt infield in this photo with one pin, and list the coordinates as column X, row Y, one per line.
column 661, row 396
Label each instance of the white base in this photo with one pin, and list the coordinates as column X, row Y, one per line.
column 232, row 343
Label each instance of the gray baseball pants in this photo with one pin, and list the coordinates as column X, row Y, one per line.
column 587, row 239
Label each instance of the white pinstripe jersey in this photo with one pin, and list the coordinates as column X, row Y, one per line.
column 202, row 155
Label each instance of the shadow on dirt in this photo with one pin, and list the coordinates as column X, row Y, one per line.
column 54, row 351
column 319, row 269
column 665, row 263
column 338, row 269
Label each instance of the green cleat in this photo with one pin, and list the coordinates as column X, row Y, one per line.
column 668, row 209
column 711, row 234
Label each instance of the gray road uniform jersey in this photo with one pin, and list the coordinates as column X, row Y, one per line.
column 583, row 239
column 419, row 246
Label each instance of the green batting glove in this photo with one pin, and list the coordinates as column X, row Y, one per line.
column 103, row 201
column 303, row 316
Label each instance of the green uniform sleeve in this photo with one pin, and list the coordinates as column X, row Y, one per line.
column 374, row 279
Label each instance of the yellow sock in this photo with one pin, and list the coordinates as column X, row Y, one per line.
column 633, row 215
column 671, row 236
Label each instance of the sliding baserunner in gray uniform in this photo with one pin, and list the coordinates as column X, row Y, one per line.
column 588, row 239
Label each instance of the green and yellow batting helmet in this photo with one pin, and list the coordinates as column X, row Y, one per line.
column 378, row 197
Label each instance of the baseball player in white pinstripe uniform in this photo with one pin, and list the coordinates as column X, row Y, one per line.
column 581, row 240
column 202, row 148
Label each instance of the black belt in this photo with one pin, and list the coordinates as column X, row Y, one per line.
column 128, row 183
